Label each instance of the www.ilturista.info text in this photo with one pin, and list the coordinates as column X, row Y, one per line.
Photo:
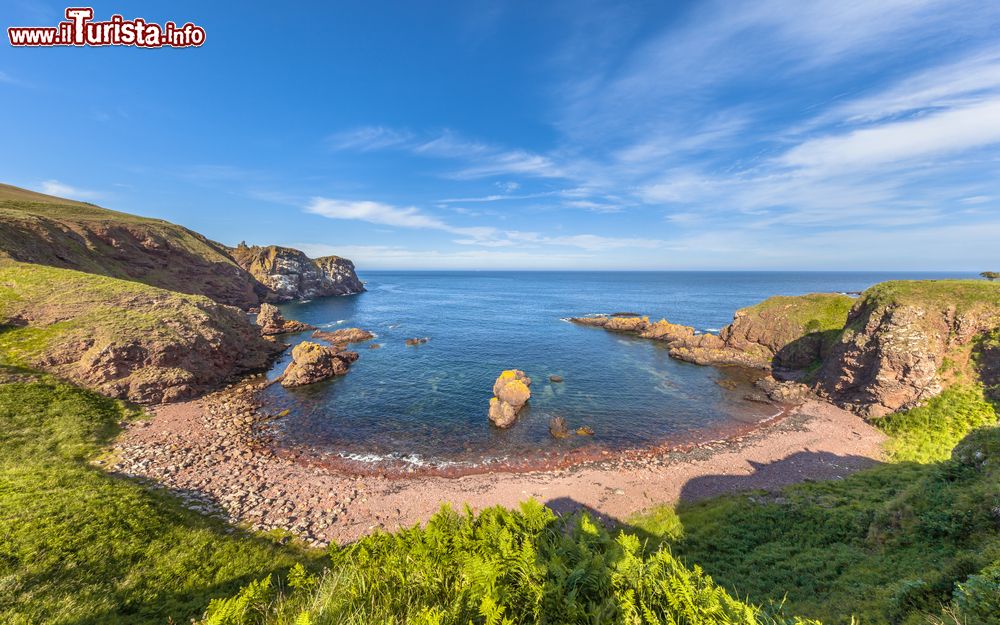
column 79, row 29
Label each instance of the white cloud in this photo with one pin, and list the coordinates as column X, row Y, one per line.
column 60, row 189
column 941, row 133
column 369, row 138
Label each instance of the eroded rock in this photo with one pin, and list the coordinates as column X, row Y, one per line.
column 312, row 362
column 511, row 392
column 272, row 322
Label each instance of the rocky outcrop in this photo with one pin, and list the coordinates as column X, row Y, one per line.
column 511, row 392
column 272, row 322
column 124, row 339
column 780, row 332
column 340, row 272
column 312, row 362
column 51, row 231
column 898, row 339
column 343, row 336
column 289, row 274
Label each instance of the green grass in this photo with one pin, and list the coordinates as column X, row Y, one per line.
column 894, row 544
column 497, row 567
column 962, row 295
column 79, row 546
column 815, row 312
column 928, row 433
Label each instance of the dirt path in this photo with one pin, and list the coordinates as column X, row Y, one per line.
column 217, row 470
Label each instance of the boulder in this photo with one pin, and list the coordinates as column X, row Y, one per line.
column 417, row 341
column 312, row 362
column 584, row 430
column 555, row 379
column 511, row 392
column 272, row 322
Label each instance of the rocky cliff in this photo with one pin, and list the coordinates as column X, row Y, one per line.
column 47, row 230
column 780, row 332
column 289, row 274
column 122, row 338
column 905, row 341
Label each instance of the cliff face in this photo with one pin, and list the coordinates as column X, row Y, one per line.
column 122, row 338
column 289, row 274
column 46, row 230
column 904, row 341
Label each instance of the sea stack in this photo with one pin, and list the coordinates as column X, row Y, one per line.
column 510, row 393
column 312, row 362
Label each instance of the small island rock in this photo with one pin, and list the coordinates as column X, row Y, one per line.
column 511, row 392
column 272, row 322
column 312, row 362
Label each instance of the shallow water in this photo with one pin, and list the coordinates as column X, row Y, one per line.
column 426, row 405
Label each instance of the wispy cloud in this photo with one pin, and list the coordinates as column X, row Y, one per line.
column 61, row 189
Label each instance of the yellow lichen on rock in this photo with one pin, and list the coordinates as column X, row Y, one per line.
column 511, row 393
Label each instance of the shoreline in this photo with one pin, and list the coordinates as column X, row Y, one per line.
column 215, row 454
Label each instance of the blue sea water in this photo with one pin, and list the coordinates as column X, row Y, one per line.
column 426, row 405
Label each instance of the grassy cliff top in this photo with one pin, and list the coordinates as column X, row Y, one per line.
column 815, row 312
column 963, row 295
column 15, row 201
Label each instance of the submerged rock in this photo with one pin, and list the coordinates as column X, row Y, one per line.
column 417, row 341
column 272, row 322
column 555, row 378
column 557, row 427
column 511, row 392
column 584, row 430
column 312, row 362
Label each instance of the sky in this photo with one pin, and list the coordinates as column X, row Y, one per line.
column 659, row 135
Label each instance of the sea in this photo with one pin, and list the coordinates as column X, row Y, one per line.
column 407, row 408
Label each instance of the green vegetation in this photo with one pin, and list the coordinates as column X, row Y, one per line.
column 815, row 312
column 990, row 275
column 902, row 543
column 495, row 568
column 928, row 433
column 961, row 295
column 79, row 546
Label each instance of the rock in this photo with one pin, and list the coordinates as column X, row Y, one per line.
column 557, row 427
column 272, row 322
column 897, row 339
column 417, row 341
column 584, row 430
column 511, row 392
column 555, row 378
column 289, row 274
column 502, row 415
column 663, row 330
column 783, row 392
column 375, row 346
column 312, row 362
column 344, row 335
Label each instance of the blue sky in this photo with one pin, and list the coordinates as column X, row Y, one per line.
column 773, row 134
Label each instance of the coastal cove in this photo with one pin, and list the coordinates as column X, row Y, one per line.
column 405, row 409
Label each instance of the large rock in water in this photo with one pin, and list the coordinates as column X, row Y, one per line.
column 312, row 362
column 289, row 274
column 898, row 338
column 511, row 392
column 272, row 322
column 343, row 335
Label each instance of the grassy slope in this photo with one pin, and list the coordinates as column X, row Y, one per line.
column 55, row 231
column 886, row 545
column 79, row 546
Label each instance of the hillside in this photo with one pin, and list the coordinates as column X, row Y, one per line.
column 122, row 338
column 47, row 230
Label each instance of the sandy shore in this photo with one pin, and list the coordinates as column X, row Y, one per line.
column 213, row 453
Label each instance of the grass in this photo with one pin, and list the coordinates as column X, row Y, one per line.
column 897, row 544
column 928, row 433
column 815, row 312
column 497, row 567
column 961, row 295
column 79, row 546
